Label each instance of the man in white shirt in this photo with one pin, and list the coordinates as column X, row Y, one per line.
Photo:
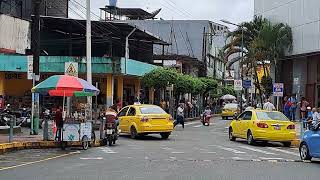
column 180, row 116
column 268, row 106
column 315, row 116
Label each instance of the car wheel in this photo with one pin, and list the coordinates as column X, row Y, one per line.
column 165, row 135
column 250, row 138
column 304, row 152
column 133, row 132
column 287, row 144
column 231, row 137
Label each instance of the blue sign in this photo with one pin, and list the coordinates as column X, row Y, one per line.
column 278, row 89
column 247, row 84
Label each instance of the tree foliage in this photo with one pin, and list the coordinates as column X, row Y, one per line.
column 160, row 78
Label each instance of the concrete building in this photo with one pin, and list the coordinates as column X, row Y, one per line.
column 63, row 40
column 200, row 40
column 303, row 63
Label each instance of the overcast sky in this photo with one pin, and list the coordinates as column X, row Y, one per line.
column 233, row 10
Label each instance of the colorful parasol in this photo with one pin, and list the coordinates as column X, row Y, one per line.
column 64, row 85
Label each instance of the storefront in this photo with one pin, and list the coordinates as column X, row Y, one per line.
column 117, row 80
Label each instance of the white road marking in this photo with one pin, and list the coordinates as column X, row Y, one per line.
column 197, row 126
column 265, row 158
column 231, row 150
column 107, row 150
column 237, row 158
column 92, row 158
column 258, row 150
column 177, row 152
column 191, row 123
column 283, row 151
column 167, row 148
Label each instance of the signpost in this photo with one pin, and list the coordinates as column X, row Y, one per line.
column 30, row 68
column 238, row 85
column 278, row 92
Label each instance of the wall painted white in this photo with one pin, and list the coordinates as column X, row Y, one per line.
column 302, row 15
column 15, row 34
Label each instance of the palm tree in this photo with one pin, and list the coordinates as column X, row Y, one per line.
column 263, row 41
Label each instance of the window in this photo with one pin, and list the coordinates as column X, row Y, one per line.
column 152, row 110
column 247, row 116
column 123, row 112
column 271, row 116
column 132, row 112
column 241, row 116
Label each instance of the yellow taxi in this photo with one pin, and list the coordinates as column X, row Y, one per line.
column 229, row 110
column 260, row 125
column 145, row 119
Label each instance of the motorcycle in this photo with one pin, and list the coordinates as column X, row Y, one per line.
column 6, row 116
column 206, row 120
column 111, row 130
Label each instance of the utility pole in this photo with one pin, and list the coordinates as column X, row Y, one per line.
column 36, row 61
column 89, row 70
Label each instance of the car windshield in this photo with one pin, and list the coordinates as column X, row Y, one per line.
column 271, row 116
column 152, row 110
column 231, row 106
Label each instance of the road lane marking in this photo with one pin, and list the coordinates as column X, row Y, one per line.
column 273, row 158
column 166, row 148
column 191, row 123
column 197, row 126
column 39, row 161
column 283, row 151
column 177, row 152
column 107, row 150
column 258, row 150
column 231, row 150
column 92, row 158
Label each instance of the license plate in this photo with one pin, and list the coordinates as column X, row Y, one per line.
column 277, row 128
column 109, row 131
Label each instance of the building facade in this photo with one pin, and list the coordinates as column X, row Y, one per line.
column 200, row 40
column 301, row 67
column 117, row 66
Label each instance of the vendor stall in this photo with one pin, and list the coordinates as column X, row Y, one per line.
column 77, row 127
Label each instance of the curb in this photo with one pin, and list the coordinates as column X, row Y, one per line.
column 8, row 147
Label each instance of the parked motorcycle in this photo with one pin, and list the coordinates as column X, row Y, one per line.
column 6, row 116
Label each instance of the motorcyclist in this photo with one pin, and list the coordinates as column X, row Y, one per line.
column 207, row 111
column 111, row 112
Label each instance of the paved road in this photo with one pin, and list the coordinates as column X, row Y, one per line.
column 194, row 153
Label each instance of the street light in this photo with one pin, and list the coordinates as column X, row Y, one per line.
column 242, row 47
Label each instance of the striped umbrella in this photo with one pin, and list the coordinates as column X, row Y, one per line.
column 67, row 86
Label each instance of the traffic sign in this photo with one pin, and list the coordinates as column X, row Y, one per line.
column 252, row 89
column 237, row 85
column 71, row 69
column 247, row 83
column 278, row 89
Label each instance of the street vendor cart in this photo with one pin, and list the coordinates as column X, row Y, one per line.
column 77, row 126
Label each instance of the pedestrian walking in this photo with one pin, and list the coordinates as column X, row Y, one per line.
column 286, row 108
column 180, row 116
column 293, row 107
column 268, row 106
column 303, row 104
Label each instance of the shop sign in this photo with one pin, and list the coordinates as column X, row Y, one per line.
column 30, row 68
column 71, row 69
